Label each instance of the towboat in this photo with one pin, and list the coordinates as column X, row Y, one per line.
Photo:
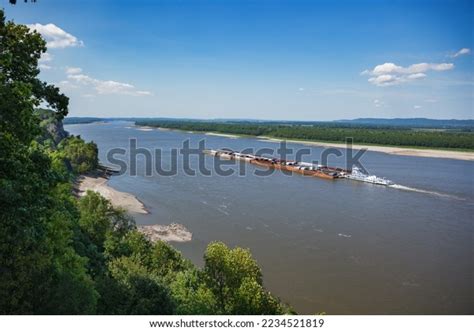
column 357, row 175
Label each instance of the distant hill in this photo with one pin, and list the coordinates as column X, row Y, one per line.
column 411, row 122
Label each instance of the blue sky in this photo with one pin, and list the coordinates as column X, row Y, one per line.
column 297, row 60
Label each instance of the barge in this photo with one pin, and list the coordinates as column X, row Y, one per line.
column 303, row 168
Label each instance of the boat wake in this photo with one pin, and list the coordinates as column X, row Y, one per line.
column 357, row 175
column 412, row 189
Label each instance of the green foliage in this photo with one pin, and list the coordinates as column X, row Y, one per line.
column 37, row 219
column 132, row 244
column 166, row 261
column 72, row 290
column 82, row 156
column 40, row 271
column 95, row 219
column 145, row 293
column 235, row 279
column 333, row 132
column 191, row 294
column 21, row 90
column 60, row 165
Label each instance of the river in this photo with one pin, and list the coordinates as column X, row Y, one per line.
column 338, row 247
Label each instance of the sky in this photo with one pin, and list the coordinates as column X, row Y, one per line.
column 281, row 60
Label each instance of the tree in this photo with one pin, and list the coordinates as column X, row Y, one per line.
column 132, row 244
column 191, row 295
column 37, row 268
column 21, row 90
column 145, row 293
column 82, row 156
column 235, row 279
column 167, row 261
column 95, row 220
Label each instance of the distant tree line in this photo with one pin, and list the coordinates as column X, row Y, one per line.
column 81, row 120
column 332, row 132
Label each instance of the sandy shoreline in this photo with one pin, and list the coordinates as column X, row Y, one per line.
column 221, row 135
column 118, row 199
column 466, row 156
column 144, row 128
column 129, row 202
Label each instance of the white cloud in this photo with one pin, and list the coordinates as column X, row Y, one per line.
column 144, row 93
column 416, row 107
column 55, row 36
column 45, row 57
column 107, row 86
column 392, row 68
column 73, row 70
column 391, row 74
column 83, row 79
column 66, row 85
column 462, row 51
column 385, row 68
column 113, row 87
column 416, row 76
column 384, row 80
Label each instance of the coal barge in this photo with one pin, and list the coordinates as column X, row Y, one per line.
column 303, row 168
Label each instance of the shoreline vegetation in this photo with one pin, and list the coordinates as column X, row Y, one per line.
column 97, row 181
column 418, row 151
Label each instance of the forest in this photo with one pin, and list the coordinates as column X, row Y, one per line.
column 462, row 139
column 64, row 254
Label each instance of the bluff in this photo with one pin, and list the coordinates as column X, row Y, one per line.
column 52, row 127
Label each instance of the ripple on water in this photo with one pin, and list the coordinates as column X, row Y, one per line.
column 344, row 235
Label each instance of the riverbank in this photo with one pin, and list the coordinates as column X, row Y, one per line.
column 98, row 183
column 173, row 232
column 145, row 128
column 118, row 199
column 233, row 136
column 437, row 153
column 395, row 150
